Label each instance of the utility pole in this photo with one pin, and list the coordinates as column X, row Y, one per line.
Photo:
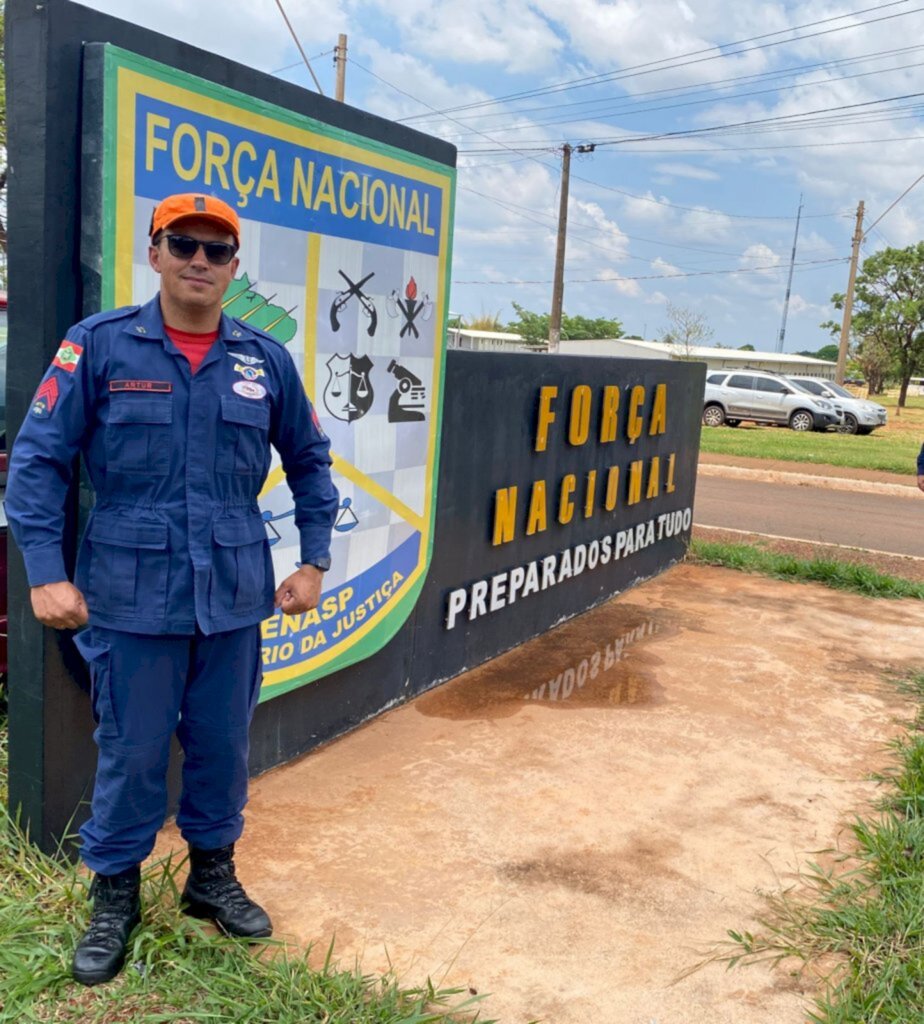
column 792, row 263
column 848, row 298
column 340, row 52
column 558, row 285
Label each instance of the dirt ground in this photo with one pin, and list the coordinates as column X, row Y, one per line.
column 570, row 826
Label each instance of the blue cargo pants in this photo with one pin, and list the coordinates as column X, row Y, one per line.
column 145, row 688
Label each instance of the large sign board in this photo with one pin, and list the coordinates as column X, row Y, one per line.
column 345, row 253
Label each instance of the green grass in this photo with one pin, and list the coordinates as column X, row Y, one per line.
column 178, row 971
column 892, row 448
column 859, row 922
column 841, row 575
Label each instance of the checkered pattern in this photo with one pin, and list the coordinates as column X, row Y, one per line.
column 390, row 458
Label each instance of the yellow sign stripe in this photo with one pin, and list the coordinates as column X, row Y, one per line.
column 378, row 492
column 310, row 326
column 362, row 481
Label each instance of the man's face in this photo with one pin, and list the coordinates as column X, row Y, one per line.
column 193, row 283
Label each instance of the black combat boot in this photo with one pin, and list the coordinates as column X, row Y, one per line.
column 213, row 891
column 116, row 912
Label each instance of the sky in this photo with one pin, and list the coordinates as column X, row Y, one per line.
column 704, row 122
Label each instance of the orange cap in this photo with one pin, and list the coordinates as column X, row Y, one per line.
column 193, row 204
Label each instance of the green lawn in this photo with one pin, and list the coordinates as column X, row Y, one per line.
column 893, row 448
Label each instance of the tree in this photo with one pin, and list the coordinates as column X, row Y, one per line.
column 746, row 348
column 534, row 327
column 888, row 311
column 826, row 352
column 685, row 329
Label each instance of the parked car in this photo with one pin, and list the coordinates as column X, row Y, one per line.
column 860, row 415
column 761, row 396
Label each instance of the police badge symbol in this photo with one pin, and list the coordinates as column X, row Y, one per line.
column 348, row 395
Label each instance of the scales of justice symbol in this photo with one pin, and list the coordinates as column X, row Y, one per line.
column 348, row 394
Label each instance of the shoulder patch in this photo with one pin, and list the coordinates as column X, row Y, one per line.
column 68, row 356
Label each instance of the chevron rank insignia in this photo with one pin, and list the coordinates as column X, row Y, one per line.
column 45, row 398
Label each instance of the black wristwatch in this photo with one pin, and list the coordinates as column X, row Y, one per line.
column 321, row 564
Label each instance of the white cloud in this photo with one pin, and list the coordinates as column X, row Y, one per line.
column 759, row 258
column 503, row 32
column 648, row 208
column 680, row 170
column 704, row 225
column 661, row 266
column 631, row 289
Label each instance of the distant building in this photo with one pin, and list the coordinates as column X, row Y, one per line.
column 714, row 358
column 489, row 341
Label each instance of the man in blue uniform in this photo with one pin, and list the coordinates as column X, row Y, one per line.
column 174, row 407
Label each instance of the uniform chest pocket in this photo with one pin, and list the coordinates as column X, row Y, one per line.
column 139, row 434
column 243, row 441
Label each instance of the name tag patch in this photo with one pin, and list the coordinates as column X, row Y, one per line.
column 161, row 386
column 247, row 389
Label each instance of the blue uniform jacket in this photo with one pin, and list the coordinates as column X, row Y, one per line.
column 177, row 460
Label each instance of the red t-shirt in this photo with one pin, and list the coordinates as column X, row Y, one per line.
column 194, row 346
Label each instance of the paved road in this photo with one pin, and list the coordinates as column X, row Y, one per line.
column 882, row 522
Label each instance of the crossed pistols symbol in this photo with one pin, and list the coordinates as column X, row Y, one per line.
column 342, row 298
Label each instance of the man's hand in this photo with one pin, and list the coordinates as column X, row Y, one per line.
column 59, row 605
column 921, row 481
column 301, row 591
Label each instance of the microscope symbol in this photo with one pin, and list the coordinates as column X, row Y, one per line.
column 409, row 397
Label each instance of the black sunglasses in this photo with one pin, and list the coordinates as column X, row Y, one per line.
column 184, row 248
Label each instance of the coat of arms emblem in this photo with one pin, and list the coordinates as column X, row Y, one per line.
column 348, row 395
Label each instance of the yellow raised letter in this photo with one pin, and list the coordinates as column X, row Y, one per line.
column 589, row 495
column 635, row 482
column 546, row 416
column 612, row 488
column 579, row 425
column 565, row 504
column 608, row 414
column 505, row 511
column 658, row 424
column 537, row 521
column 654, row 478
column 634, row 421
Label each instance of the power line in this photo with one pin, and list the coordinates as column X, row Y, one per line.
column 789, row 122
column 893, row 204
column 719, row 150
column 635, row 112
column 702, row 87
column 666, row 277
column 515, row 207
column 300, row 63
column 680, row 61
